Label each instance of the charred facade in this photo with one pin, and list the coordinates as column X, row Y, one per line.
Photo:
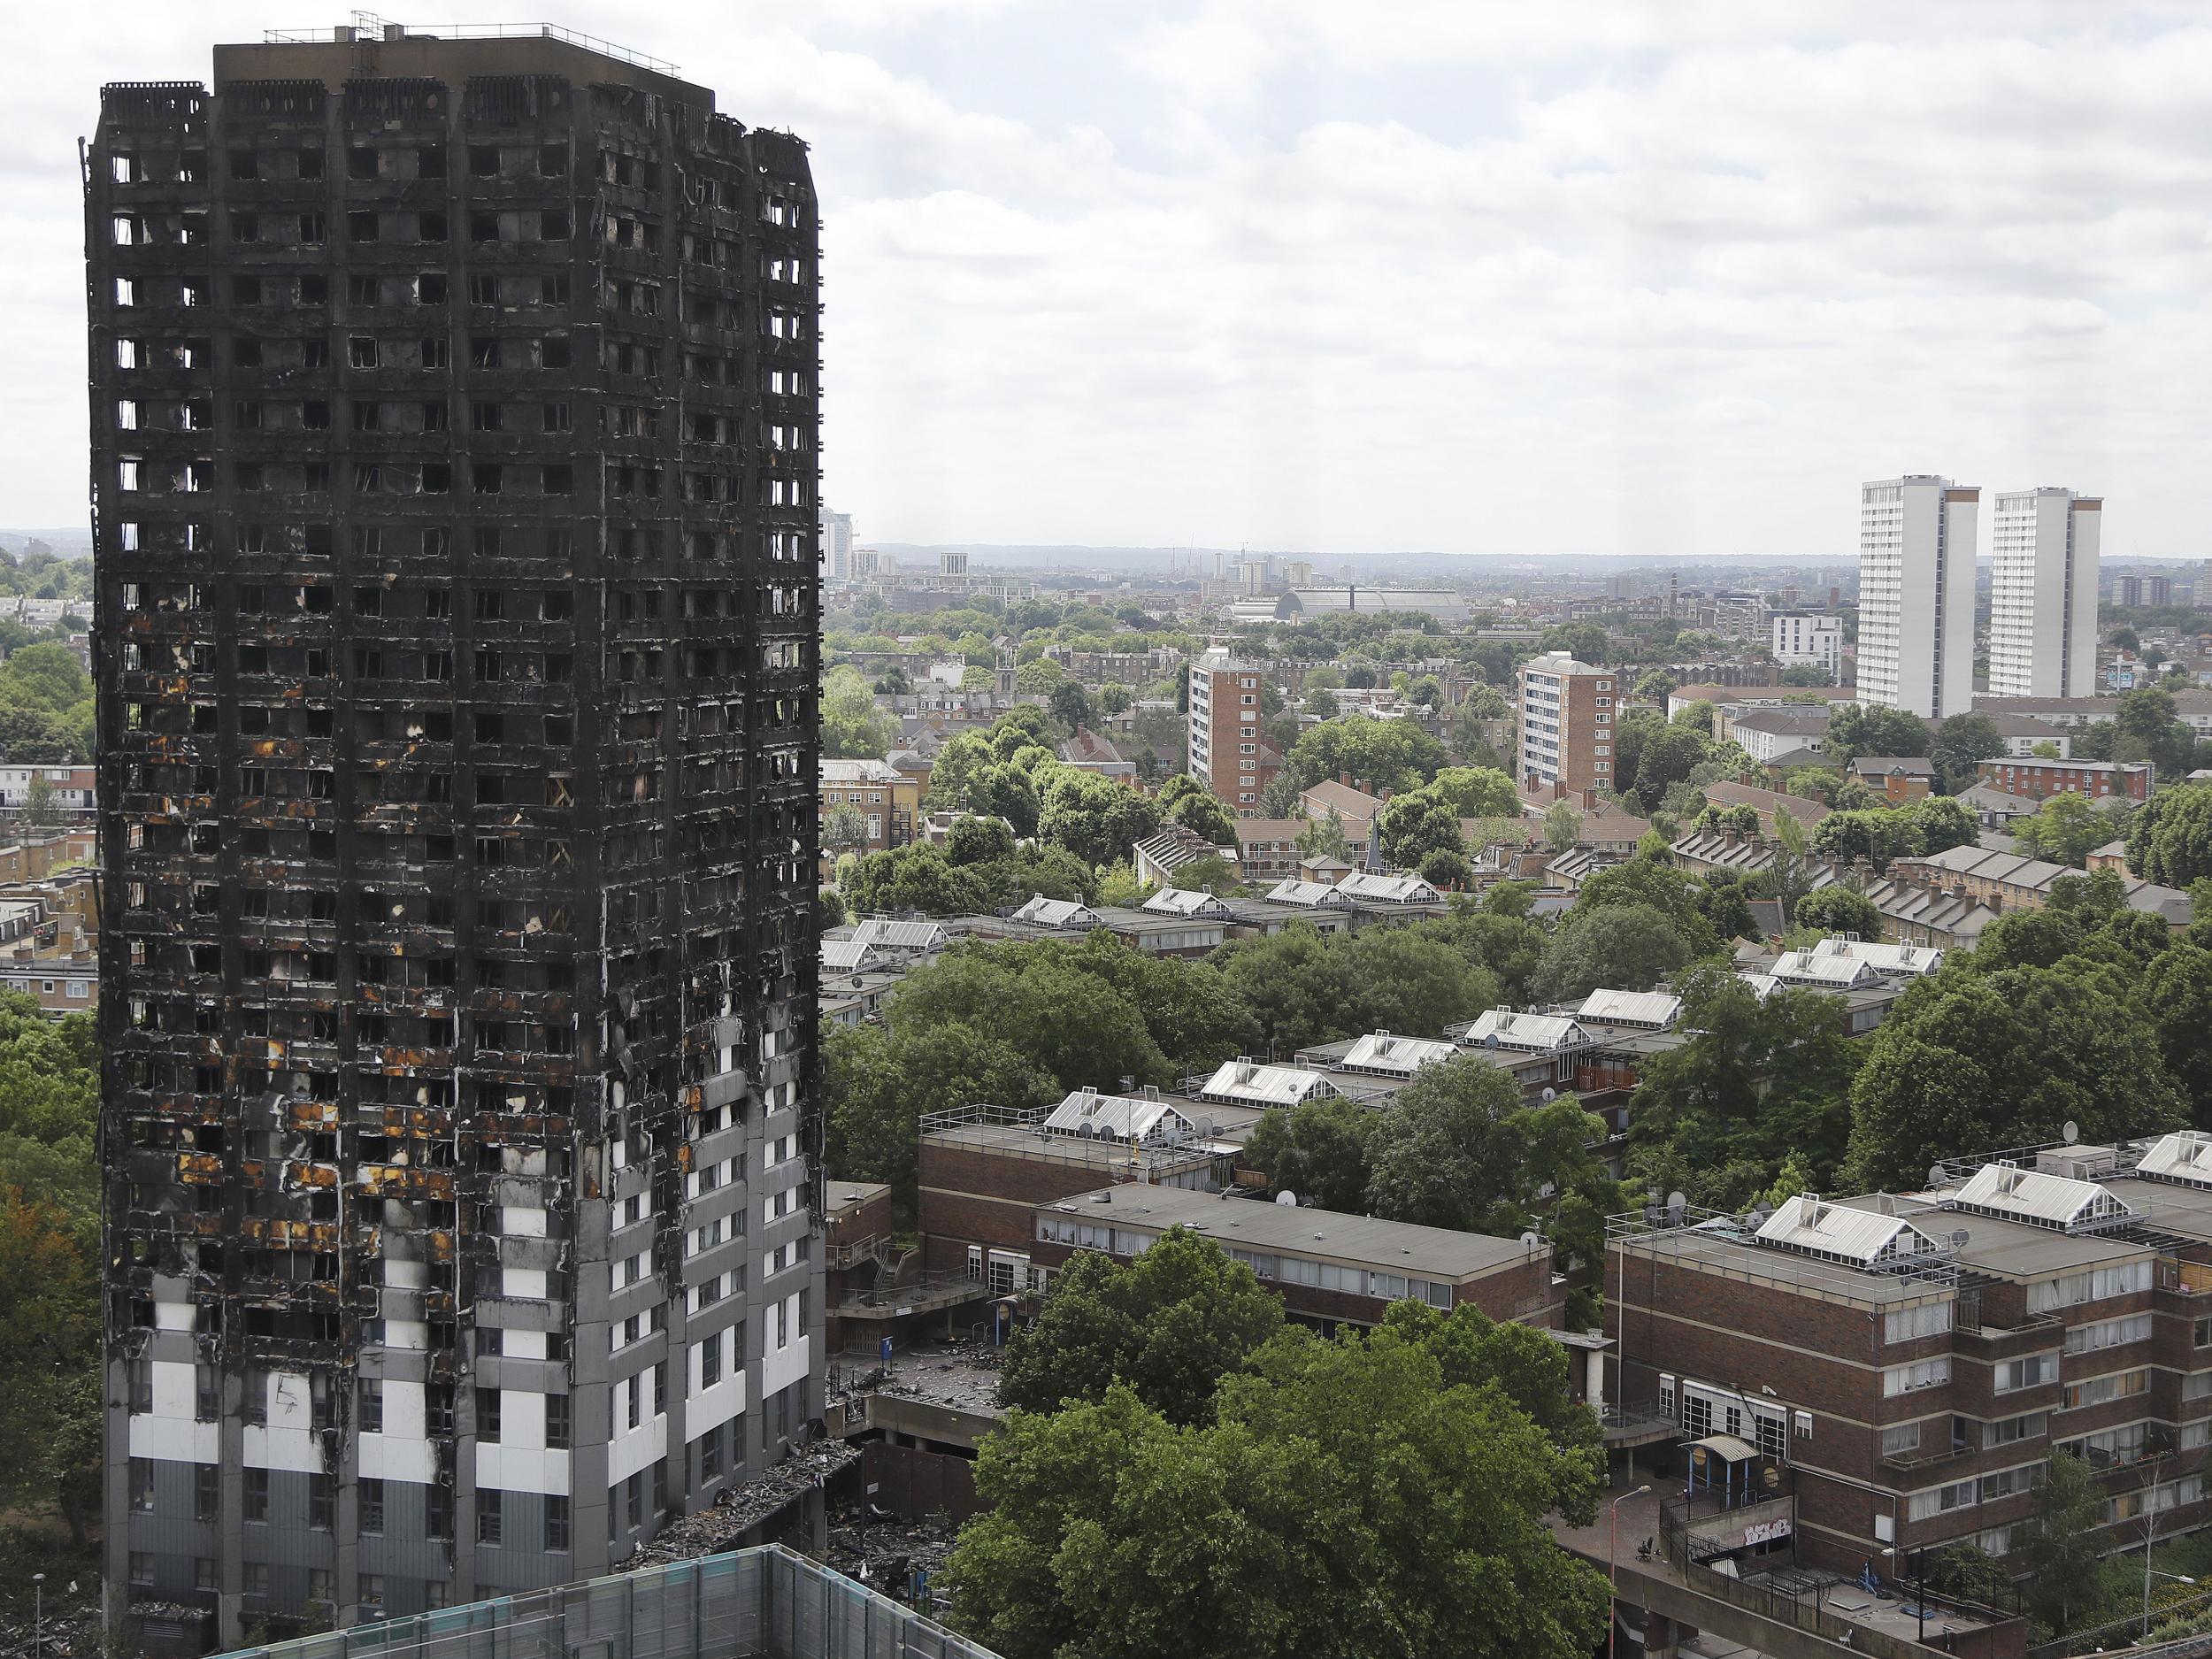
column 454, row 415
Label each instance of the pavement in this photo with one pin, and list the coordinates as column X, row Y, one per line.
column 1639, row 1519
column 959, row 1376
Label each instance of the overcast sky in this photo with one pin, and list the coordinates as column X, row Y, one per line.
column 1480, row 277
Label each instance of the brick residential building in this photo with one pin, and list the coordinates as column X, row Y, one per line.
column 1225, row 750
column 1913, row 1360
column 983, row 1168
column 2040, row 779
column 1267, row 848
column 1566, row 710
column 1897, row 779
column 1329, row 1268
column 887, row 800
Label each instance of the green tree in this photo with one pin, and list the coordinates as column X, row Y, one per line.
column 2169, row 838
column 1037, row 676
column 1416, row 825
column 978, row 841
column 1168, row 1324
column 1095, row 817
column 1070, row 703
column 2144, row 728
column 1563, row 826
column 2176, row 997
column 1475, row 792
column 1530, row 1368
column 39, row 810
column 1306, row 988
column 1395, row 755
column 1651, row 878
column 1348, row 1502
column 1317, row 1150
column 1839, row 910
column 1617, row 947
column 1445, row 870
column 49, row 1371
column 877, row 1081
column 2004, row 1058
column 2066, row 829
column 1758, row 1078
column 1859, row 729
column 1585, row 641
column 1044, row 1000
column 1324, row 837
column 1491, row 934
column 2061, row 1548
column 1203, row 813
column 844, row 830
column 1961, row 741
column 1657, row 686
column 1459, row 1149
column 44, row 676
column 853, row 728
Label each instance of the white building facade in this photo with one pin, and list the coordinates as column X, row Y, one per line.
column 836, row 546
column 1798, row 640
column 1916, row 546
column 2043, row 594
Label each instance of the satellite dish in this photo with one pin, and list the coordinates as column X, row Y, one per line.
column 1959, row 1239
column 1288, row 1199
column 1530, row 1240
column 1938, row 1175
column 1675, row 1205
column 2071, row 1132
column 1551, row 1094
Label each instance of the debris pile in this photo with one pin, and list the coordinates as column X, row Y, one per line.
column 69, row 1599
column 866, row 1544
column 739, row 1510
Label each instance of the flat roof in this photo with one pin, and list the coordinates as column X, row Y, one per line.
column 2014, row 1249
column 447, row 53
column 839, row 1196
column 1230, row 1125
column 1324, row 1235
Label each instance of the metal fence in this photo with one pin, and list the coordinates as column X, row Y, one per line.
column 766, row 1603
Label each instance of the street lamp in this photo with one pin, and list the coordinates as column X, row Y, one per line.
column 1920, row 1574
column 2150, row 1572
column 1613, row 1564
column 38, row 1614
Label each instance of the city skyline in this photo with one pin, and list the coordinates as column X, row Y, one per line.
column 1134, row 281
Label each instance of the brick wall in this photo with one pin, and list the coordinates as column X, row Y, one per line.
column 1827, row 1357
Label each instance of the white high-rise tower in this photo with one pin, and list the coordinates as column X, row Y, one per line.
column 1917, row 541
column 2043, row 594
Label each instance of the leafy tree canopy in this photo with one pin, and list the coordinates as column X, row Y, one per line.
column 1395, row 755
column 1347, row 1500
column 853, row 728
column 1961, row 741
column 1839, row 910
column 2067, row 828
column 2169, row 838
column 1618, row 947
column 1857, row 729
column 1306, row 988
column 1168, row 1324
